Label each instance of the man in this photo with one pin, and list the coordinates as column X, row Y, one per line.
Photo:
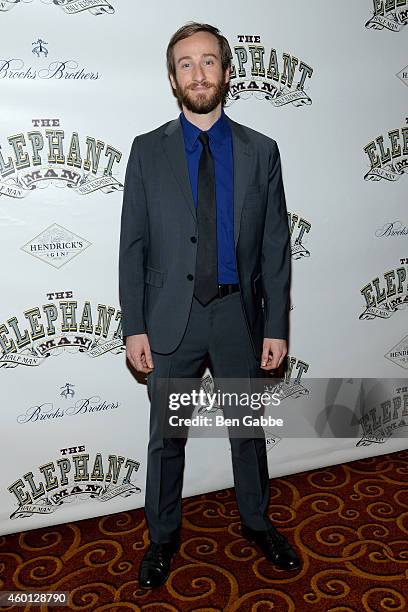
column 204, row 238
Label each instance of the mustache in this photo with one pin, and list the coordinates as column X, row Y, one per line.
column 206, row 84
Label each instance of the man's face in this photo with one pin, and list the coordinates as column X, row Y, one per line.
column 200, row 82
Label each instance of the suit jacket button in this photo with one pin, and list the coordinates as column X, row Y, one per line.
column 190, row 276
column 193, row 239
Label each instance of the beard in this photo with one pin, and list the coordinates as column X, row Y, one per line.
column 204, row 102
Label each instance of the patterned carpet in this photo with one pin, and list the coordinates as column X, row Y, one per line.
column 349, row 522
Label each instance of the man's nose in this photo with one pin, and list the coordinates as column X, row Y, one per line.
column 198, row 73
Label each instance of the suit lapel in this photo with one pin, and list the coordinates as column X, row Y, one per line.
column 173, row 143
column 242, row 155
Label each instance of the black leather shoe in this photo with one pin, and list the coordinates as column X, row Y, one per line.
column 274, row 546
column 155, row 566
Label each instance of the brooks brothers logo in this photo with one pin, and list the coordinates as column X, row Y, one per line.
column 298, row 227
column 77, row 475
column 60, row 69
column 40, row 48
column 399, row 353
column 389, row 14
column 388, row 160
column 257, row 71
column 49, row 411
column 60, row 325
column 384, row 296
column 95, row 7
column 392, row 229
column 67, row 390
column 381, row 421
column 50, row 157
column 56, row 246
column 403, row 75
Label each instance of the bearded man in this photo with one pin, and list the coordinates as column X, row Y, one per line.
column 204, row 272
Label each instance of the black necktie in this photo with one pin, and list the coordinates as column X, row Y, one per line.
column 206, row 277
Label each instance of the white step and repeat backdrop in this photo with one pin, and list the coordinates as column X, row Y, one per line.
column 79, row 79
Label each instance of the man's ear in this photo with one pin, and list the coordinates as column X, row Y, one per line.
column 227, row 75
column 172, row 81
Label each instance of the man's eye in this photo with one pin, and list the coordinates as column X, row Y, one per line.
column 209, row 61
column 186, row 65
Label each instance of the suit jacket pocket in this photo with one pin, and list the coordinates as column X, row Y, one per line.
column 154, row 277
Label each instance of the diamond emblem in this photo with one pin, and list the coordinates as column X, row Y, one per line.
column 56, row 246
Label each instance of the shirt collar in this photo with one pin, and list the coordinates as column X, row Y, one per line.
column 217, row 132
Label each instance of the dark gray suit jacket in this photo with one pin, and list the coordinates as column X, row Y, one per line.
column 157, row 255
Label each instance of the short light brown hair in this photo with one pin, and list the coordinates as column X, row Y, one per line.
column 188, row 30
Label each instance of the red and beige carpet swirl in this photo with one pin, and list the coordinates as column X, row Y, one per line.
column 348, row 522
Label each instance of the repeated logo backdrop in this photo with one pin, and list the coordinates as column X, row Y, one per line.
column 79, row 79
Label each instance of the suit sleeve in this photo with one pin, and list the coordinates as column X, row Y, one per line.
column 276, row 256
column 133, row 246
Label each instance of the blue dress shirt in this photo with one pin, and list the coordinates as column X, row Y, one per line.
column 220, row 143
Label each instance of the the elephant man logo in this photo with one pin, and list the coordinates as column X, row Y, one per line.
column 51, row 157
column 74, row 477
column 257, row 72
column 389, row 14
column 95, row 7
column 298, row 228
column 6, row 5
column 384, row 296
column 388, row 156
column 380, row 421
column 58, row 326
column 290, row 385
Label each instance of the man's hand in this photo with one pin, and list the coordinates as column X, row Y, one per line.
column 138, row 353
column 273, row 353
